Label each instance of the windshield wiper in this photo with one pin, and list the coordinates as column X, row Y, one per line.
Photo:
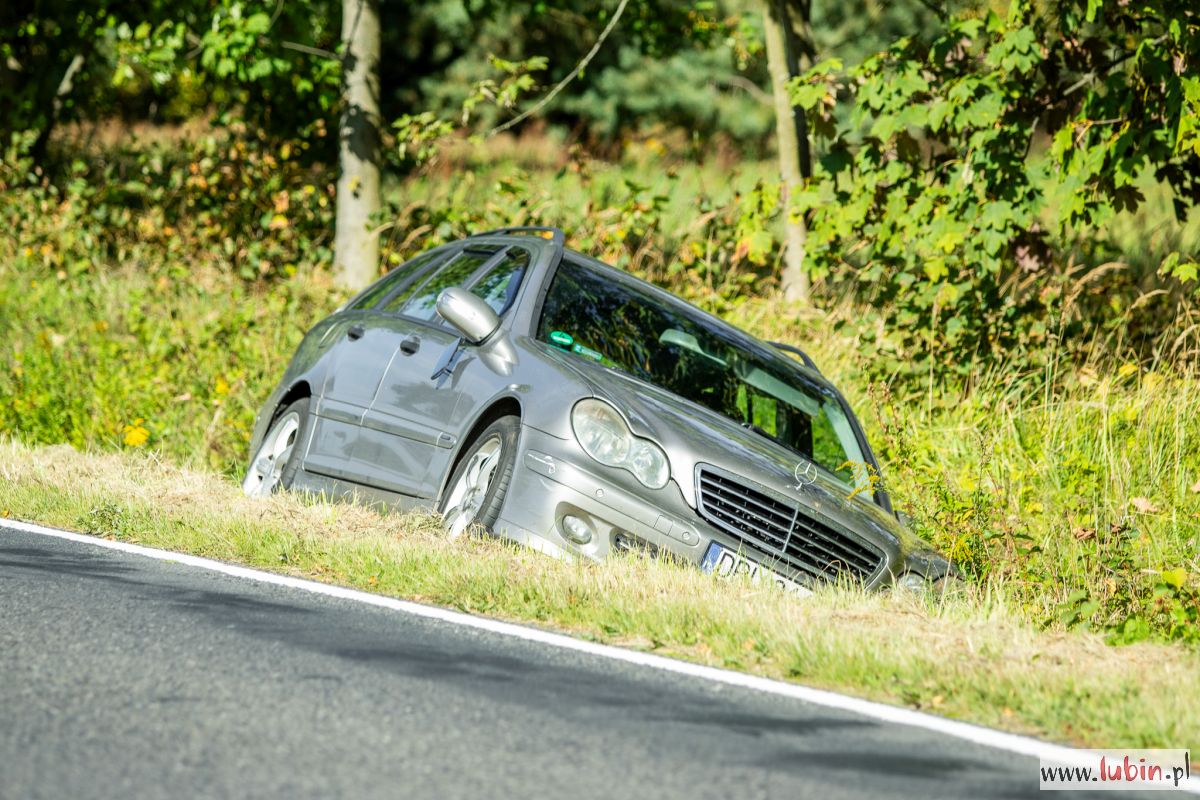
column 750, row 426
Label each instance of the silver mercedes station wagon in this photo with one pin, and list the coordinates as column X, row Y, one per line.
column 508, row 382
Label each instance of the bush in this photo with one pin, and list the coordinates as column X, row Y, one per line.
column 229, row 201
column 973, row 186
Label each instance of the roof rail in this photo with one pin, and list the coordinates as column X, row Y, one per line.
column 557, row 238
column 808, row 362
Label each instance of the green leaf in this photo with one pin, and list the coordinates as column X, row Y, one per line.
column 258, row 23
column 936, row 113
column 1184, row 271
column 760, row 244
column 935, row 269
column 910, row 82
column 807, row 95
column 1175, row 577
column 968, row 27
column 1187, row 136
column 886, row 126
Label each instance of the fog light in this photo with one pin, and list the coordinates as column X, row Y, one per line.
column 912, row 582
column 576, row 529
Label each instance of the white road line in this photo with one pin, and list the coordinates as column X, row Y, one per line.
column 1022, row 745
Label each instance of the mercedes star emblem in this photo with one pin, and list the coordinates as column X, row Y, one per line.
column 806, row 473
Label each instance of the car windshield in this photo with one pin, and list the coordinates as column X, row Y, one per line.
column 625, row 326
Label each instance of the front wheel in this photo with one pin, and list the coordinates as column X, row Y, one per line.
column 274, row 465
column 481, row 478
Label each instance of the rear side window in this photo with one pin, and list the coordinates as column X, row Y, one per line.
column 498, row 288
column 405, row 273
column 422, row 303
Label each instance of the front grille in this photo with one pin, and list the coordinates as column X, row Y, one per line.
column 782, row 531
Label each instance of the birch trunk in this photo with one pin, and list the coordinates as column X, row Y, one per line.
column 356, row 250
column 791, row 134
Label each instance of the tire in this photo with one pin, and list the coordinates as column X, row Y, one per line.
column 468, row 500
column 949, row 586
column 276, row 463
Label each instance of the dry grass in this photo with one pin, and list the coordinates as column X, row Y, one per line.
column 972, row 658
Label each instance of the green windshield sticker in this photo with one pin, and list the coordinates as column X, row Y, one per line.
column 562, row 338
column 588, row 352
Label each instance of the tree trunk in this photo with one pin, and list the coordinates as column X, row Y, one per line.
column 791, row 134
column 356, row 249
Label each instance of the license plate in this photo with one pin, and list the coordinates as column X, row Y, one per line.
column 725, row 563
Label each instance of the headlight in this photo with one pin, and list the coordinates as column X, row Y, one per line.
column 604, row 435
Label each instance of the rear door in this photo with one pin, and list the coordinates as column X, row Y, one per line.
column 403, row 428
column 356, row 365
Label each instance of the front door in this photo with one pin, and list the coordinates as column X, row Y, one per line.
column 404, row 422
column 411, row 429
column 356, row 365
column 400, row 432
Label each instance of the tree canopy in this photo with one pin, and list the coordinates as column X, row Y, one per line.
column 975, row 158
column 968, row 162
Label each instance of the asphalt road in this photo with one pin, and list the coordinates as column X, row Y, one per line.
column 123, row 676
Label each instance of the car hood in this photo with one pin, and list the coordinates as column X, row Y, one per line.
column 693, row 435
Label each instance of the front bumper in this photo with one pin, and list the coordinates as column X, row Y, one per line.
column 554, row 478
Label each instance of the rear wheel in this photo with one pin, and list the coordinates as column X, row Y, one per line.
column 274, row 465
column 480, row 480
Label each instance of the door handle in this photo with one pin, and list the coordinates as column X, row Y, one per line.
column 356, row 332
column 410, row 345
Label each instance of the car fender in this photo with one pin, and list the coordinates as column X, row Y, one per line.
column 546, row 410
column 558, row 387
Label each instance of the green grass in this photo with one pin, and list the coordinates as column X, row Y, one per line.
column 84, row 359
column 970, row 658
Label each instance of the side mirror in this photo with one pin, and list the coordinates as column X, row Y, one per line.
column 473, row 318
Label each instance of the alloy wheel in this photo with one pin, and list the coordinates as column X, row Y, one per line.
column 471, row 489
column 266, row 470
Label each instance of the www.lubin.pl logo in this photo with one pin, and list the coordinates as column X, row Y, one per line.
column 1119, row 769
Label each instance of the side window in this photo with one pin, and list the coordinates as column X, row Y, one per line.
column 498, row 288
column 405, row 273
column 421, row 303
